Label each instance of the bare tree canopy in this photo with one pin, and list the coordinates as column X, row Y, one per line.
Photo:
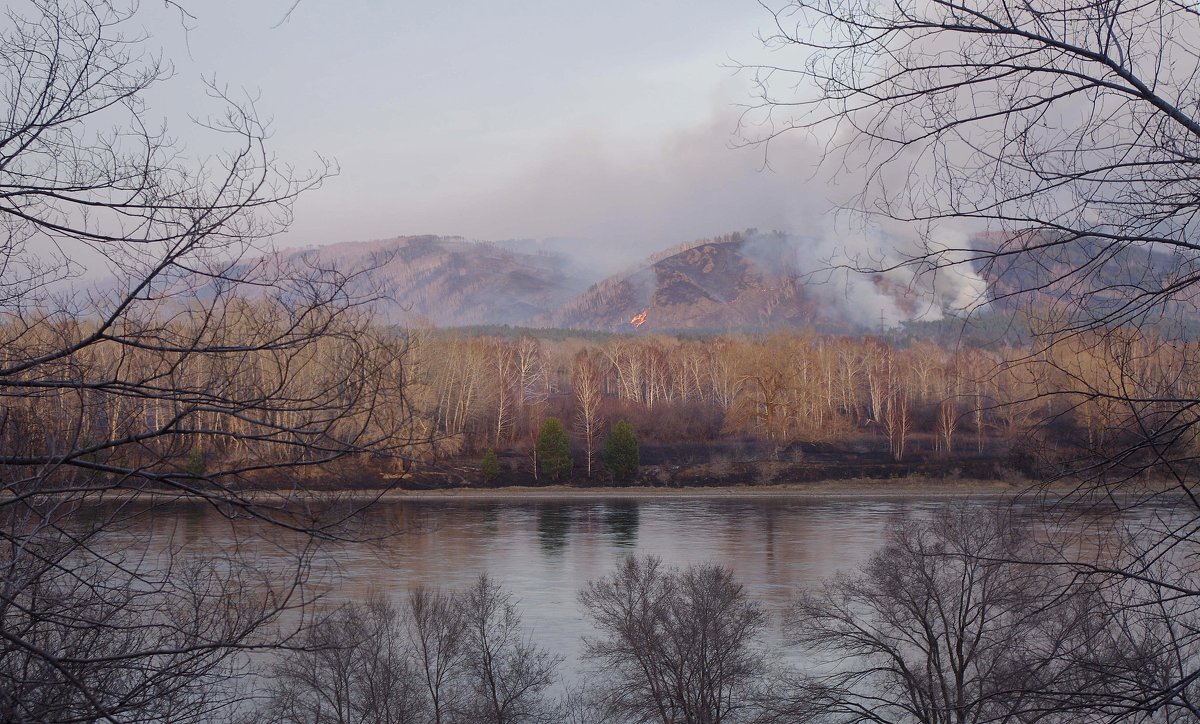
column 459, row 656
column 1053, row 146
column 1047, row 124
column 969, row 617
column 675, row 645
column 204, row 362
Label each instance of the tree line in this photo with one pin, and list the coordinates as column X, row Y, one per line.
column 1064, row 399
column 201, row 391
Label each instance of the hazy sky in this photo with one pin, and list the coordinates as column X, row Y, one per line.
column 610, row 122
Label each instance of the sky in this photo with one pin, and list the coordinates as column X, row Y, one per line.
column 609, row 127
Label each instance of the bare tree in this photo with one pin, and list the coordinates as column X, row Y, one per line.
column 585, row 380
column 1049, row 149
column 209, row 364
column 350, row 667
column 436, row 635
column 508, row 674
column 100, row 649
column 459, row 657
column 964, row 618
column 675, row 645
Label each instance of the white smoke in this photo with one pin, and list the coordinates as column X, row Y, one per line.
column 872, row 277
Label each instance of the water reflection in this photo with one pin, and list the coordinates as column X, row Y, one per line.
column 621, row 522
column 553, row 524
column 545, row 551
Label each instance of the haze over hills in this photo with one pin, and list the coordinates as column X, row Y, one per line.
column 1090, row 278
column 449, row 281
column 729, row 282
column 745, row 281
column 742, row 281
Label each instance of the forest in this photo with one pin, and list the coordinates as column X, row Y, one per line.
column 426, row 404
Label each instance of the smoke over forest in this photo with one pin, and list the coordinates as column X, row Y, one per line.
column 742, row 281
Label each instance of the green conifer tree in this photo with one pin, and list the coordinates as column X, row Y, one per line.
column 621, row 454
column 489, row 467
column 554, row 449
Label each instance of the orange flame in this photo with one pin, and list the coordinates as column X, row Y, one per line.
column 639, row 320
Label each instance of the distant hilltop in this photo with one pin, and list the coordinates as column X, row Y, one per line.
column 449, row 281
column 743, row 281
column 731, row 282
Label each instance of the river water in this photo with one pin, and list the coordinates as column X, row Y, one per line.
column 544, row 551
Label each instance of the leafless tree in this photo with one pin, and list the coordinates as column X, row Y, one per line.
column 508, row 674
column 965, row 618
column 145, row 655
column 586, row 384
column 208, row 364
column 445, row 657
column 1050, row 148
column 436, row 635
column 675, row 645
column 350, row 667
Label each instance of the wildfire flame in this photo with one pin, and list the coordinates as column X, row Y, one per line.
column 639, row 320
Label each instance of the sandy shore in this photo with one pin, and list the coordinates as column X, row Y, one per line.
column 854, row 488
column 863, row 488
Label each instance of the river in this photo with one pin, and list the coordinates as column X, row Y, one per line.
column 544, row 551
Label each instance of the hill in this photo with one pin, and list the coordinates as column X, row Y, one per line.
column 735, row 281
column 748, row 281
column 1080, row 281
column 448, row 281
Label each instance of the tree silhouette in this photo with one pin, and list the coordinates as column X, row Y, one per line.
column 208, row 362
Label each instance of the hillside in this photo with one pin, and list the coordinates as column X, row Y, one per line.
column 1084, row 280
column 447, row 281
column 730, row 282
column 737, row 282
column 747, row 281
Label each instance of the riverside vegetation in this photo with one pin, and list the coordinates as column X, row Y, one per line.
column 427, row 405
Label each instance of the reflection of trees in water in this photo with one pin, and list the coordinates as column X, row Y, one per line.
column 192, row 519
column 553, row 523
column 490, row 516
column 618, row 520
column 621, row 520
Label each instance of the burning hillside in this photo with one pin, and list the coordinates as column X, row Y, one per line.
column 734, row 282
column 748, row 281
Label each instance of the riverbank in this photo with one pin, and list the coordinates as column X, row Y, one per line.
column 741, row 464
column 356, row 483
column 855, row 488
column 317, row 502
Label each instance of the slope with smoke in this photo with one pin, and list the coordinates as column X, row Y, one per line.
column 742, row 281
column 768, row 280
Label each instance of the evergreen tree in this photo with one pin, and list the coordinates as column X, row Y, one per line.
column 489, row 467
column 554, row 449
column 621, row 451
